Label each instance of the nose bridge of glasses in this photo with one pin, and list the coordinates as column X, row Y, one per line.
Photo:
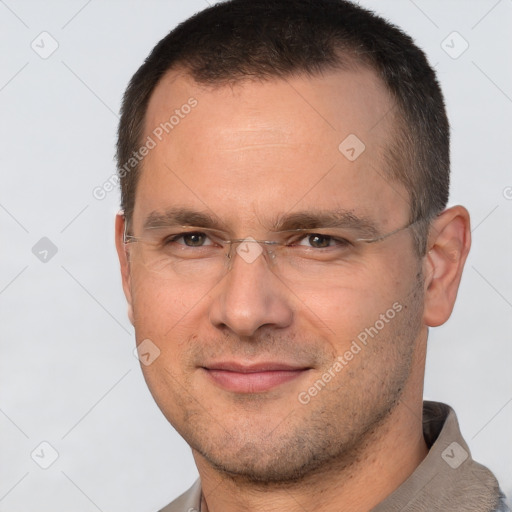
column 249, row 249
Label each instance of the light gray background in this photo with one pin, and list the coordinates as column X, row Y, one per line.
column 67, row 372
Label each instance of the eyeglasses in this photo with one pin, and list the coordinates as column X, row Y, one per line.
column 197, row 253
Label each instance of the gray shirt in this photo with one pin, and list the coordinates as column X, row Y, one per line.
column 448, row 479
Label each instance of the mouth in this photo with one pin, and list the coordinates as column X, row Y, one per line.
column 254, row 378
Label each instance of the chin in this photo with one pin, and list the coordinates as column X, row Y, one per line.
column 276, row 461
column 263, row 473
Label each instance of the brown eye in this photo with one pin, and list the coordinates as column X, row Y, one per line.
column 319, row 241
column 194, row 239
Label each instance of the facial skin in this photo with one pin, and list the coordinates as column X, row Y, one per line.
column 249, row 154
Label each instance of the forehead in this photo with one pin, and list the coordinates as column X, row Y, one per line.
column 257, row 148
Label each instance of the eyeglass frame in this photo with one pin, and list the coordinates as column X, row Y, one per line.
column 127, row 239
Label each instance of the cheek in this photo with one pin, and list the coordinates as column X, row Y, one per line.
column 168, row 387
column 342, row 311
column 162, row 310
column 168, row 316
column 352, row 298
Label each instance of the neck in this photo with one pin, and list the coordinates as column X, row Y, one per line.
column 384, row 460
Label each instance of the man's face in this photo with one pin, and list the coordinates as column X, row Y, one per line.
column 247, row 368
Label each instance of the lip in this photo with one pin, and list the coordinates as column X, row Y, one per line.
column 253, row 378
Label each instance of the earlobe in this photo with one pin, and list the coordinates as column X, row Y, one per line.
column 124, row 263
column 449, row 244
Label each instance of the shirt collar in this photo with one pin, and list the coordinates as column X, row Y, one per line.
column 448, row 478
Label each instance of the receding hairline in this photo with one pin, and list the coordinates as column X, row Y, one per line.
column 347, row 60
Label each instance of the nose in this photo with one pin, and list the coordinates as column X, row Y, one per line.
column 250, row 295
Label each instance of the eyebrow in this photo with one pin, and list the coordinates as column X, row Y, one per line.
column 309, row 219
column 181, row 217
column 344, row 219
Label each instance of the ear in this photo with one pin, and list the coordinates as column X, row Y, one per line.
column 449, row 244
column 124, row 263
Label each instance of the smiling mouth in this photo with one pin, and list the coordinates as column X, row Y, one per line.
column 256, row 378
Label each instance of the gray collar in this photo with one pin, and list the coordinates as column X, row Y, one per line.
column 448, row 478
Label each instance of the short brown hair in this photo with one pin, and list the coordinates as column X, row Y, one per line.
column 260, row 39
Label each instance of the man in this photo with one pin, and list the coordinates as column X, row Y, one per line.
column 284, row 247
